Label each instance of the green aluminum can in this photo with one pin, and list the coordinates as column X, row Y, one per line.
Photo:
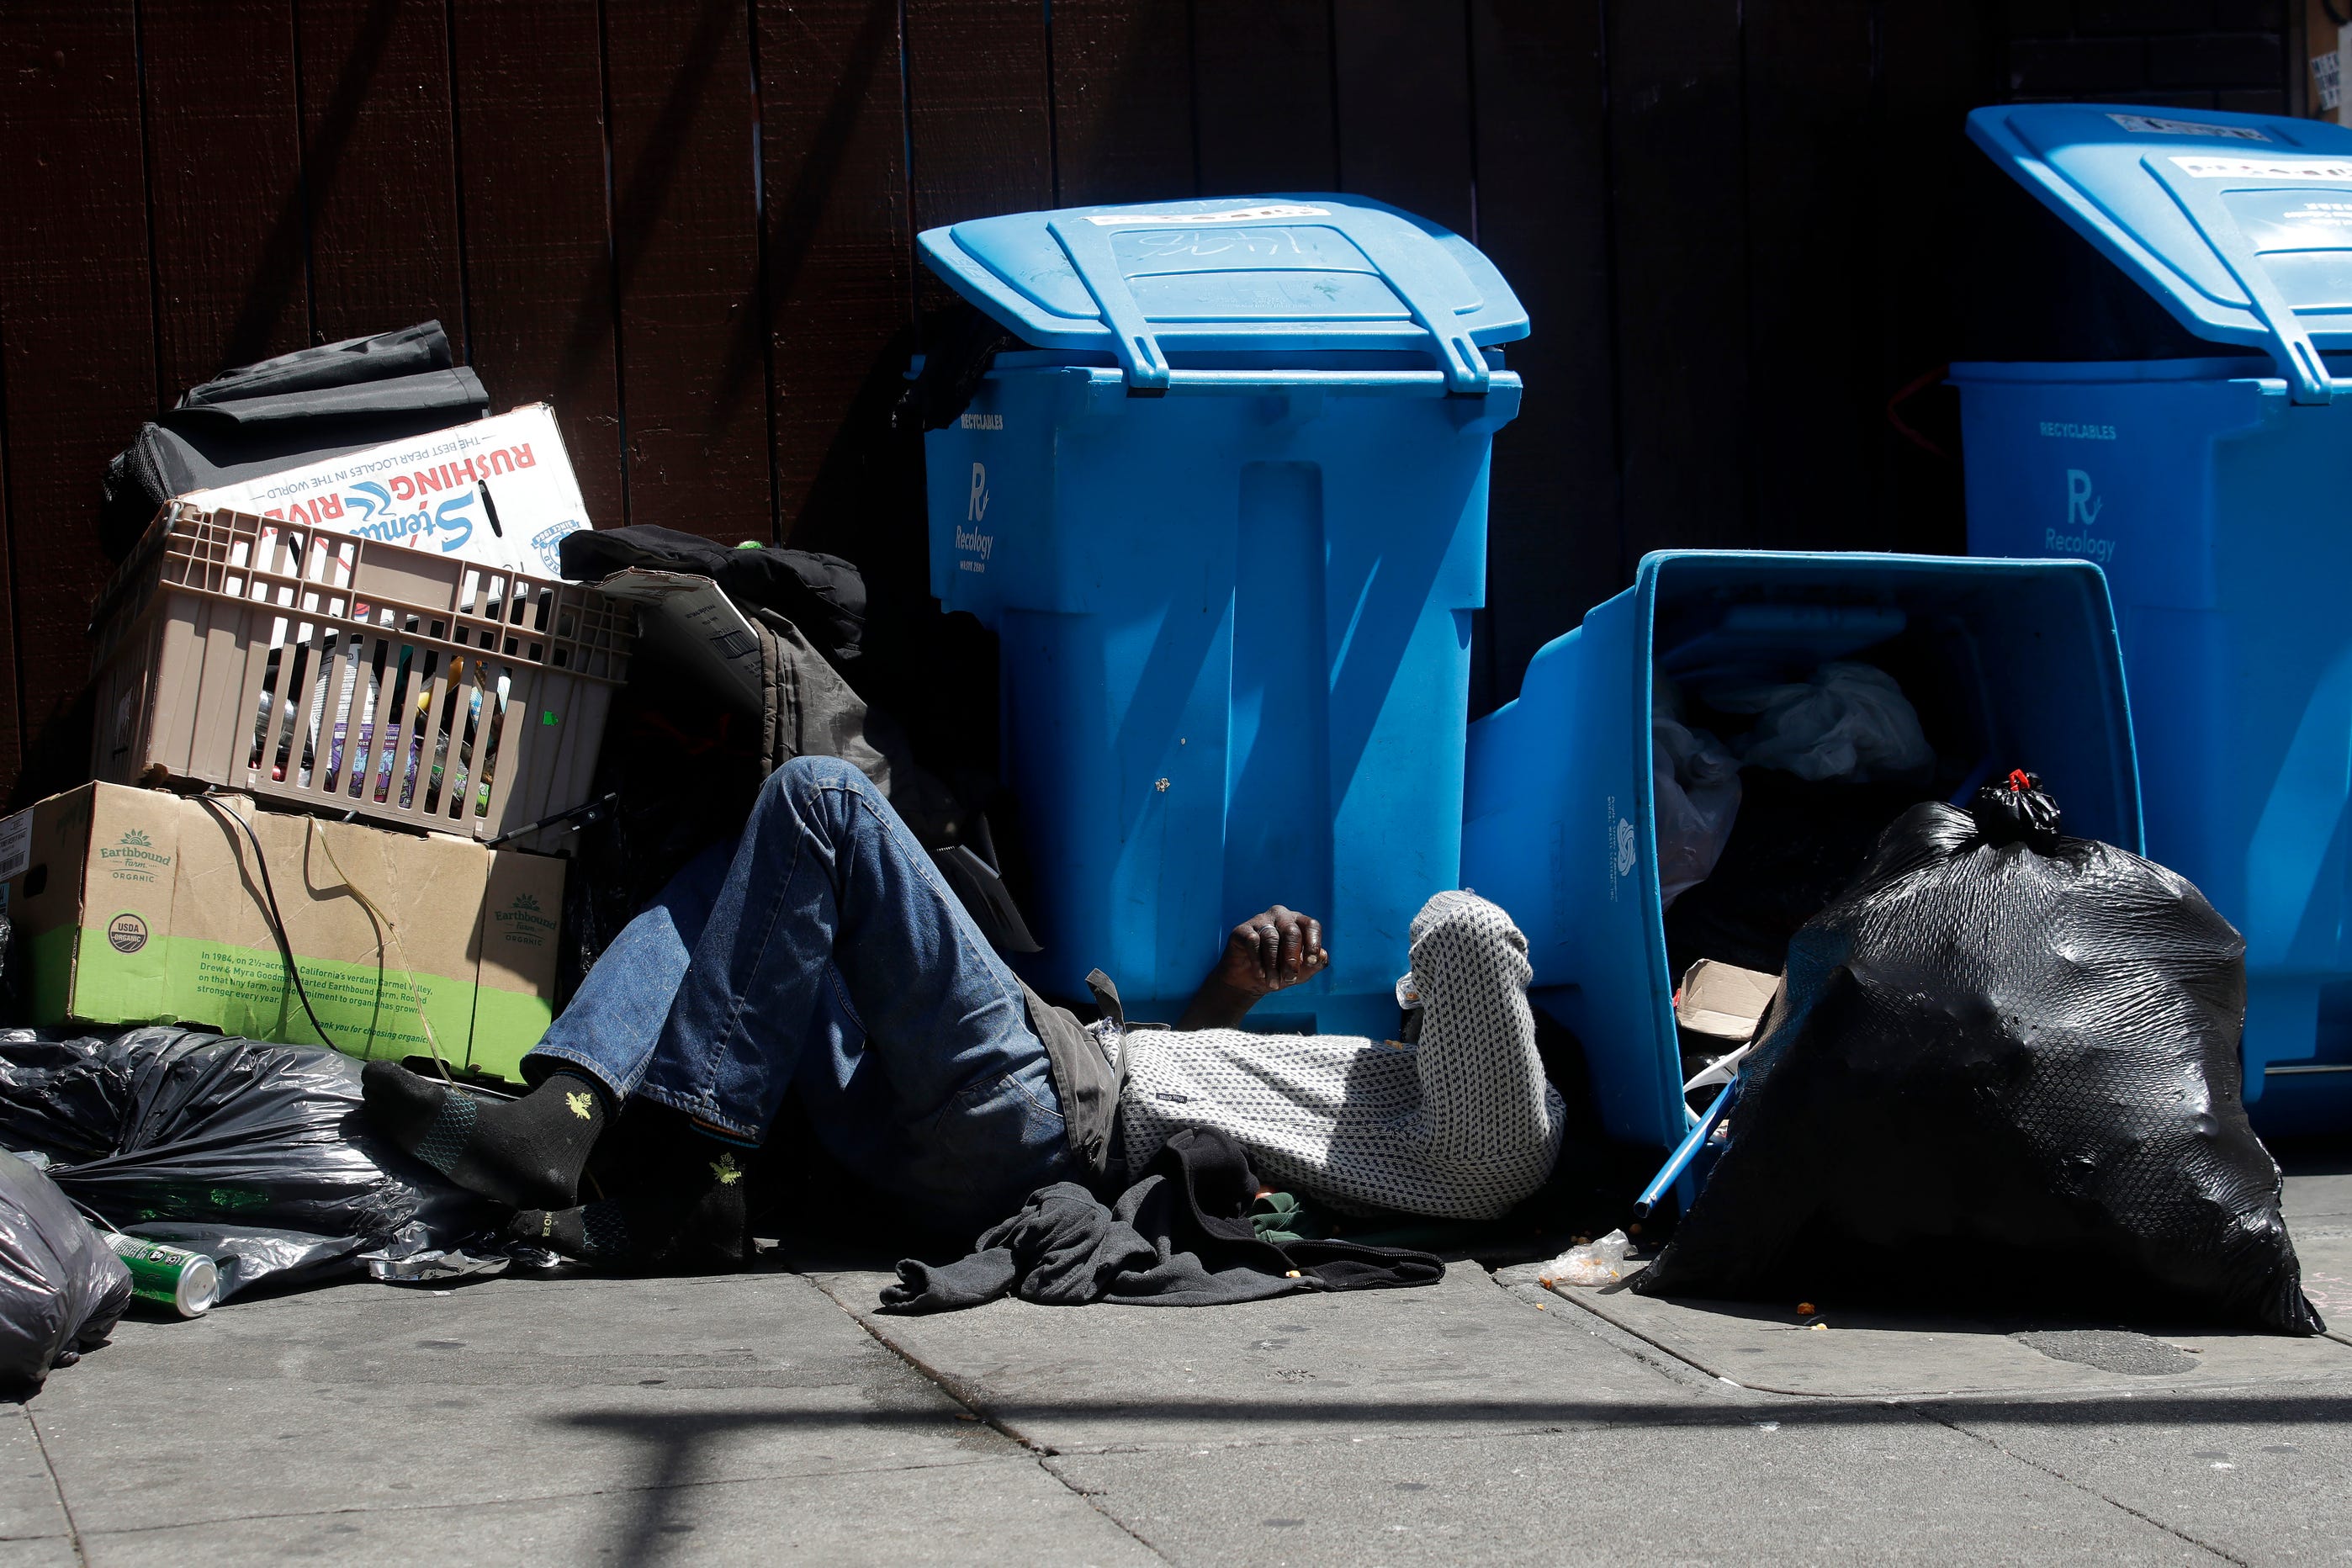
column 187, row 1282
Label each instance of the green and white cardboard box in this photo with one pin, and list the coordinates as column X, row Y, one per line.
column 136, row 906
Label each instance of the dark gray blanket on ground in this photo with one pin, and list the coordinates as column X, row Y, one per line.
column 1064, row 1249
column 1179, row 1237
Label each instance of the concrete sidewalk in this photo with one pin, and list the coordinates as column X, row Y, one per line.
column 771, row 1416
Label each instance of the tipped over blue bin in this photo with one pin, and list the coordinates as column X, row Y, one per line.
column 2015, row 664
column 1228, row 519
column 2204, row 457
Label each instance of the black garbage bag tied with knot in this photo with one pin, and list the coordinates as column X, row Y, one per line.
column 2002, row 1070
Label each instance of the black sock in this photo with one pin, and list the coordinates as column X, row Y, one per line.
column 592, row 1232
column 523, row 1153
column 708, row 1239
column 679, row 1202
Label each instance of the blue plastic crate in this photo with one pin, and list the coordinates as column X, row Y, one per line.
column 1229, row 522
column 2215, row 493
column 1561, row 820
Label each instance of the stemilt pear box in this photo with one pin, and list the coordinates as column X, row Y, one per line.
column 498, row 492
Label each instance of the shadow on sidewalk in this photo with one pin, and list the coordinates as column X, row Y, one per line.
column 677, row 1448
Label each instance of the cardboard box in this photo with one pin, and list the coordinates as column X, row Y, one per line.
column 498, row 492
column 2325, row 45
column 139, row 906
column 1722, row 1001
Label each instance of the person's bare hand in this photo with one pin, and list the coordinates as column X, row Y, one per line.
column 1264, row 954
column 1271, row 951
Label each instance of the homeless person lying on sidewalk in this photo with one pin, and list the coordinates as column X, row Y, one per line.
column 825, row 956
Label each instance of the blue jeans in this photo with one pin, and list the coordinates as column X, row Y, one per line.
column 823, row 953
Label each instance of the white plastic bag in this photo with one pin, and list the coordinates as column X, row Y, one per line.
column 1849, row 722
column 1696, row 782
column 1601, row 1262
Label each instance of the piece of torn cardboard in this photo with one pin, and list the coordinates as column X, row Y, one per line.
column 139, row 906
column 499, row 491
column 1722, row 1001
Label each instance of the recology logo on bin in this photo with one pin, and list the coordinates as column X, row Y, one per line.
column 977, row 545
column 2084, row 505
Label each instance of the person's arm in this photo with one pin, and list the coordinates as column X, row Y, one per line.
column 1484, row 1099
column 1264, row 954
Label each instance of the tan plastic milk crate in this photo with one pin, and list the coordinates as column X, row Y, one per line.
column 352, row 675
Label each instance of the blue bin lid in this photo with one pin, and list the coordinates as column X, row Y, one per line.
column 2239, row 224
column 1279, row 274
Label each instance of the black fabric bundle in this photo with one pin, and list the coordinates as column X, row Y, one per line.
column 284, row 413
column 1180, row 1238
column 824, row 595
column 2002, row 1069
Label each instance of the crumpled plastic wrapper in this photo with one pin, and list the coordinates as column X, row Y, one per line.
column 479, row 1257
column 1601, row 1262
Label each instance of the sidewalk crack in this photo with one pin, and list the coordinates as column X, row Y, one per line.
column 969, row 1398
column 57, row 1486
column 1093, row 1500
column 2003, row 1449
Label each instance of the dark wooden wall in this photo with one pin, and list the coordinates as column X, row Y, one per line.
column 689, row 223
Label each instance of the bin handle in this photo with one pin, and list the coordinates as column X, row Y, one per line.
column 1131, row 337
column 1410, row 382
column 2307, row 370
column 1392, row 246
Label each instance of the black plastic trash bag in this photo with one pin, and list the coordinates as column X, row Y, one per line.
column 61, row 1288
column 248, row 1255
column 192, row 1137
column 2002, row 1069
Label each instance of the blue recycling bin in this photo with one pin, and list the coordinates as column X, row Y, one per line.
column 1227, row 516
column 2203, row 458
column 2009, row 664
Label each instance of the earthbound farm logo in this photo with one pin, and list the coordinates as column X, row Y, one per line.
column 133, row 857
column 524, row 922
column 401, row 508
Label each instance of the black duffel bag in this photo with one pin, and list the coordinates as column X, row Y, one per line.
column 285, row 413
